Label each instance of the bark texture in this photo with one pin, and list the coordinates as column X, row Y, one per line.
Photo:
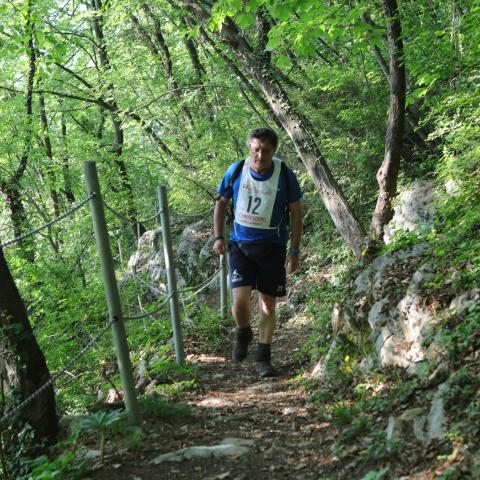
column 387, row 174
column 22, row 363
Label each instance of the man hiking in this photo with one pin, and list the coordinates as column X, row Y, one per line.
column 265, row 193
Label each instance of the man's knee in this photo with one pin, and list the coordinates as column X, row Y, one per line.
column 240, row 307
column 267, row 304
column 241, row 300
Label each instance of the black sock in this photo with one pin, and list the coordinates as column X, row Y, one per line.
column 263, row 353
column 244, row 332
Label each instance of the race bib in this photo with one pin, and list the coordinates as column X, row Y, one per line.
column 256, row 199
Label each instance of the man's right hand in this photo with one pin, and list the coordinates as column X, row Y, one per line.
column 219, row 246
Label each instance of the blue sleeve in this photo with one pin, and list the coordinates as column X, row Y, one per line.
column 294, row 191
column 223, row 188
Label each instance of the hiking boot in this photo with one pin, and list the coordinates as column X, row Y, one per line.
column 243, row 336
column 265, row 369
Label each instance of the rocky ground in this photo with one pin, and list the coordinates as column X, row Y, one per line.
column 273, row 429
column 279, row 434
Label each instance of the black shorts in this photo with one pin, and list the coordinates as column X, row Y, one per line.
column 259, row 265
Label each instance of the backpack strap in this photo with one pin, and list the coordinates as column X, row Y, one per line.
column 236, row 173
column 284, row 172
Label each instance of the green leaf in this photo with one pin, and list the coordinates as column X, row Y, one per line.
column 376, row 475
column 283, row 62
column 244, row 20
column 273, row 42
column 281, row 12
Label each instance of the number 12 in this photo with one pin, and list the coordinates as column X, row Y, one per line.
column 257, row 201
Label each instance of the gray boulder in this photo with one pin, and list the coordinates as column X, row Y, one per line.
column 415, row 210
column 195, row 260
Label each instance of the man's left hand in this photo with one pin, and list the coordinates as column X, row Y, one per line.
column 291, row 263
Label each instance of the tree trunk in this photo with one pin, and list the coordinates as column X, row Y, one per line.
column 50, row 170
column 97, row 24
column 11, row 187
column 67, row 179
column 388, row 173
column 295, row 126
column 22, row 363
column 251, row 88
column 166, row 60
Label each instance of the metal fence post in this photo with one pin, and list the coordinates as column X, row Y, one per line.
column 111, row 292
column 223, row 280
column 171, row 274
column 223, row 286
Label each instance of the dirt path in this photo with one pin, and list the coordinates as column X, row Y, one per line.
column 232, row 401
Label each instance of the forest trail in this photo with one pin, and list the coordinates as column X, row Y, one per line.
column 286, row 439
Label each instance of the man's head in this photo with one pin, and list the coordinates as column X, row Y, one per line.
column 265, row 135
column 262, row 144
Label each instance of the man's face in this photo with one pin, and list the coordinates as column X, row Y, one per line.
column 261, row 153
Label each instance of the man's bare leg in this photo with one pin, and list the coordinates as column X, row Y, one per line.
column 266, row 328
column 268, row 320
column 241, row 305
column 241, row 314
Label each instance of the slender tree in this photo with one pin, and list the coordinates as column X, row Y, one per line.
column 388, row 172
column 10, row 186
column 116, row 115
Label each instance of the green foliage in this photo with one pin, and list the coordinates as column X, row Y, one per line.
column 160, row 407
column 100, row 423
column 207, row 323
column 376, row 474
column 164, row 367
column 66, row 465
column 379, row 448
column 175, row 391
column 461, row 336
column 462, row 386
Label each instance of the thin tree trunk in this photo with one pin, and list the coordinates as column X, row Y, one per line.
column 419, row 134
column 11, row 187
column 199, row 74
column 97, row 24
column 47, row 144
column 168, row 65
column 387, row 175
column 295, row 126
column 22, row 363
column 67, row 180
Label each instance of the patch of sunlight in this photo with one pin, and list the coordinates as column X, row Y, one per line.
column 193, row 358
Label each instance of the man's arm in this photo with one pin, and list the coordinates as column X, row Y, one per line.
column 296, row 227
column 218, row 223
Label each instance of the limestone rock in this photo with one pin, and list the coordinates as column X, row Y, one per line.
column 414, row 422
column 410, row 423
column 461, row 304
column 194, row 258
column 436, row 418
column 415, row 210
column 230, row 447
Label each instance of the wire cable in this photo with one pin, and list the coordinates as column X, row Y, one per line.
column 54, row 377
column 155, row 310
column 46, row 225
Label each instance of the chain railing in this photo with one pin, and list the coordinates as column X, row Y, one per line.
column 48, row 224
column 116, row 319
column 11, row 413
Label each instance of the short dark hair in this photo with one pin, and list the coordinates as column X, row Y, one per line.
column 263, row 134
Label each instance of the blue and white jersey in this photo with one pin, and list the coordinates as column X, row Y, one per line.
column 259, row 201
